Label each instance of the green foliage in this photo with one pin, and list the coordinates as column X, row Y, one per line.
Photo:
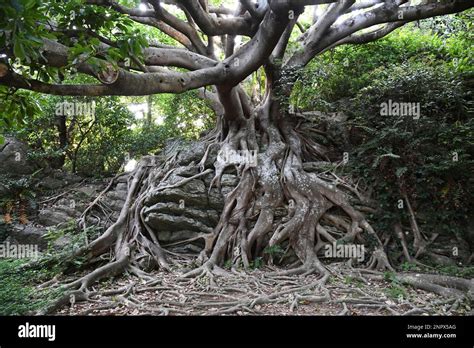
column 17, row 188
column 26, row 23
column 256, row 263
column 274, row 251
column 228, row 264
column 407, row 266
column 342, row 72
column 18, row 293
column 452, row 270
column 455, row 271
column 185, row 115
column 18, row 193
column 430, row 158
column 95, row 144
column 76, row 238
column 396, row 290
column 102, row 151
column 15, row 107
column 354, row 281
column 23, row 26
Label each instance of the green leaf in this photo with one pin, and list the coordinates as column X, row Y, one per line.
column 18, row 49
column 29, row 4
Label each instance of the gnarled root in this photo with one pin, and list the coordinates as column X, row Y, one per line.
column 318, row 211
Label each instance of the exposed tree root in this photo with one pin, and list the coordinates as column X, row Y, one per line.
column 256, row 292
column 447, row 286
column 318, row 209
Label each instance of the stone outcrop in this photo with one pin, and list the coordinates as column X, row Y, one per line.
column 14, row 158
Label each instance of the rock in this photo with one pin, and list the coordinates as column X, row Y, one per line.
column 50, row 183
column 123, row 178
column 442, row 260
column 121, row 186
column 14, row 158
column 208, row 217
column 226, row 190
column 193, row 186
column 62, row 242
column 187, row 171
column 176, row 236
column 192, row 153
column 164, row 222
column 115, row 205
column 175, row 214
column 214, row 200
column 67, row 177
column 53, row 216
column 120, row 196
column 186, row 248
column 28, row 234
column 88, row 190
column 229, row 180
column 184, row 212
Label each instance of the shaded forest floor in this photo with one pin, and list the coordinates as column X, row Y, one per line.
column 258, row 293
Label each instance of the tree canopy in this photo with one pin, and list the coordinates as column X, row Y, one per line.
column 175, row 46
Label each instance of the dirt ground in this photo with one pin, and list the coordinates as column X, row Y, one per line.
column 260, row 293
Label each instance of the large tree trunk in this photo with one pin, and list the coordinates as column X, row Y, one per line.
column 248, row 223
column 317, row 207
column 58, row 162
column 277, row 181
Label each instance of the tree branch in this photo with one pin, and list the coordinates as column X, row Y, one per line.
column 214, row 26
column 384, row 14
column 226, row 74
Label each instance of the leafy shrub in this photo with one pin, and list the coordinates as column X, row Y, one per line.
column 18, row 293
column 342, row 72
column 428, row 158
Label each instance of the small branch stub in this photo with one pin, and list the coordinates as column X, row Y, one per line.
column 108, row 75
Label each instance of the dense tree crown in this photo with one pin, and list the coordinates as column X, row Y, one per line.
column 182, row 45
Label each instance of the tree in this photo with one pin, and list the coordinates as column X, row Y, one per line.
column 194, row 45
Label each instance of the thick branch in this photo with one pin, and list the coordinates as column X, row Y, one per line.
column 226, row 73
column 383, row 14
column 214, row 26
